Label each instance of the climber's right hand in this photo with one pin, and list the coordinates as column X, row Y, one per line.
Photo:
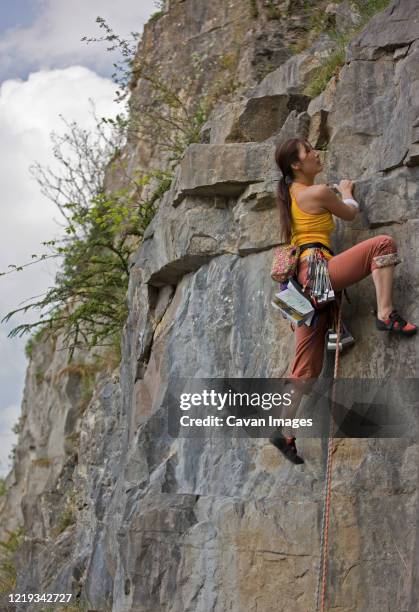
column 345, row 187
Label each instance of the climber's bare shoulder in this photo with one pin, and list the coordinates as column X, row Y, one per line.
column 312, row 199
column 317, row 199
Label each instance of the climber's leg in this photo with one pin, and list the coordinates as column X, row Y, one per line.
column 309, row 346
column 383, row 281
column 309, row 351
column 305, row 369
column 309, row 339
column 345, row 269
column 378, row 256
column 359, row 261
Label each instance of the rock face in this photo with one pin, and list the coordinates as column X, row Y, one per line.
column 131, row 519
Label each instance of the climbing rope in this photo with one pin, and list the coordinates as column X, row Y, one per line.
column 324, row 533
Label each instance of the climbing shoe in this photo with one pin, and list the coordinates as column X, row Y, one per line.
column 396, row 323
column 287, row 447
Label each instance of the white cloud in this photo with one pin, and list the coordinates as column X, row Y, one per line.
column 29, row 111
column 53, row 40
column 46, row 53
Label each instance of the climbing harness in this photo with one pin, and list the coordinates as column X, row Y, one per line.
column 324, row 534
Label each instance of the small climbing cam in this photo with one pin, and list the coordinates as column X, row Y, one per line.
column 346, row 339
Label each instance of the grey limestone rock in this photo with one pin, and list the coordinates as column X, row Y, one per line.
column 129, row 518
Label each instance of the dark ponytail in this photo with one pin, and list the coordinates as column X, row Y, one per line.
column 286, row 154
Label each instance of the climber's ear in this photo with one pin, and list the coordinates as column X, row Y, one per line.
column 302, row 152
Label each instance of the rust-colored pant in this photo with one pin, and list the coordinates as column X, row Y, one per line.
column 345, row 269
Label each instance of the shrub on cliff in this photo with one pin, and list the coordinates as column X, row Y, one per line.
column 101, row 230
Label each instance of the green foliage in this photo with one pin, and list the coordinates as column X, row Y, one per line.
column 227, row 61
column 265, row 70
column 18, row 426
column 320, row 22
column 272, row 9
column 155, row 16
column 87, row 373
column 33, row 341
column 368, row 8
column 73, row 439
column 102, row 228
column 3, row 488
column 39, row 376
column 168, row 116
column 254, row 11
column 299, row 45
column 42, row 462
column 12, row 453
column 67, row 518
column 101, row 232
column 8, row 548
column 330, row 68
column 123, row 68
column 163, row 118
column 224, row 84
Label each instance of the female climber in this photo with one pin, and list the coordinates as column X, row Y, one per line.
column 306, row 215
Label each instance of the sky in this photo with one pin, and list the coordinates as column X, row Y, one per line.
column 45, row 71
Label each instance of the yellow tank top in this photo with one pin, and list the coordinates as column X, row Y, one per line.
column 309, row 227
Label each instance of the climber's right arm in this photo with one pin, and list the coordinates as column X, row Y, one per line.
column 328, row 200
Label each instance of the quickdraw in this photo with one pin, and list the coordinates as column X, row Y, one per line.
column 318, row 279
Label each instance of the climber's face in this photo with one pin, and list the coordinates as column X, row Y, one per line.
column 310, row 163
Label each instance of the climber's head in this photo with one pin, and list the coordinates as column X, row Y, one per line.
column 297, row 161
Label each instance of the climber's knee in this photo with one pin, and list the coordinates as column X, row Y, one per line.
column 386, row 242
column 385, row 252
column 307, row 373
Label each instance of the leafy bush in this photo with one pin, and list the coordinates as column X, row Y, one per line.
column 155, row 16
column 8, row 548
column 331, row 67
column 67, row 519
column 254, row 11
column 272, row 9
column 368, row 8
column 103, row 228
column 33, row 340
